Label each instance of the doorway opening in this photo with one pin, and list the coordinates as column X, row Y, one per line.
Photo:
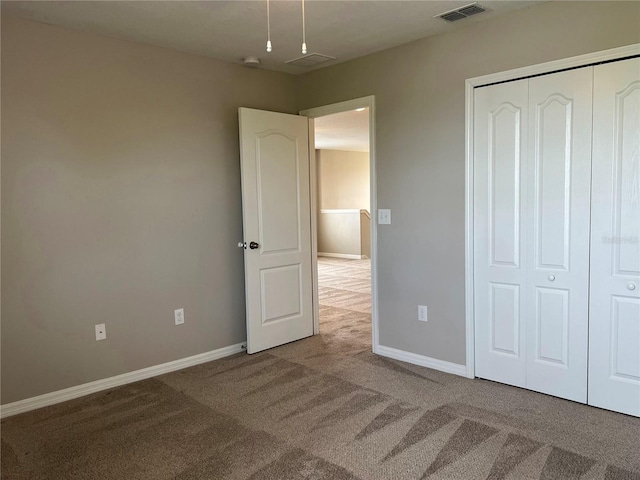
column 344, row 251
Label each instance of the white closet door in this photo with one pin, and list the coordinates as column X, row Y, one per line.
column 614, row 324
column 500, row 132
column 557, row 260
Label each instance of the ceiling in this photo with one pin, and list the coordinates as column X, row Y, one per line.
column 230, row 30
column 343, row 131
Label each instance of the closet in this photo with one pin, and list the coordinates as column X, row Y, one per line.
column 556, row 234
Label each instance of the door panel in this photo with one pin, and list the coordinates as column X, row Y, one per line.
column 499, row 145
column 278, row 192
column 614, row 329
column 276, row 283
column 625, row 327
column 559, row 177
column 625, row 195
column 552, row 131
column 504, row 185
column 504, row 315
column 277, row 216
column 552, row 326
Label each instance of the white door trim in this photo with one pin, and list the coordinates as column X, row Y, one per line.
column 313, row 191
column 364, row 102
column 471, row 83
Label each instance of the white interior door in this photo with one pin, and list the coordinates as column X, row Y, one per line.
column 274, row 156
column 614, row 320
column 500, row 146
column 559, row 180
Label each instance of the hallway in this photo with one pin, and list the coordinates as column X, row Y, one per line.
column 344, row 290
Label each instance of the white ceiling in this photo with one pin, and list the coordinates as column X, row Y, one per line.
column 343, row 131
column 233, row 29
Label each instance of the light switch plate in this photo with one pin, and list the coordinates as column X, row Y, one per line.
column 179, row 316
column 384, row 216
column 422, row 313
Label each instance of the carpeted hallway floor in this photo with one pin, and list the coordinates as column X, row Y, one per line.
column 323, row 408
column 344, row 292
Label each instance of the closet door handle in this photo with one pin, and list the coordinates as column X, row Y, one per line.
column 551, row 278
column 631, row 286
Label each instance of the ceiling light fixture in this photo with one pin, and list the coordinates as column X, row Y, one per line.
column 362, row 109
column 304, row 36
column 304, row 29
column 268, row 27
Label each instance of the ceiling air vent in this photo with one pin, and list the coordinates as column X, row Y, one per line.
column 460, row 13
column 471, row 9
column 310, row 60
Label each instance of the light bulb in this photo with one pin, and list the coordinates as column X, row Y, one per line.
column 304, row 48
column 268, row 45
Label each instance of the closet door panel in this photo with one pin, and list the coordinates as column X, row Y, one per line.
column 559, row 179
column 614, row 329
column 499, row 181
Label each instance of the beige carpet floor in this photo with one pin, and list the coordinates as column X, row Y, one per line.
column 322, row 408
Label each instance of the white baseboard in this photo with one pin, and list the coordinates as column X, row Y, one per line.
column 92, row 387
column 341, row 255
column 414, row 358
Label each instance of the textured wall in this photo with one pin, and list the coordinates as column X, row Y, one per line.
column 339, row 232
column 343, row 179
column 120, row 202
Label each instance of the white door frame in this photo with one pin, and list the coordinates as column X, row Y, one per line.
column 364, row 102
column 471, row 83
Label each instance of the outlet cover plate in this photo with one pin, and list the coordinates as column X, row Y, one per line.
column 101, row 331
column 179, row 316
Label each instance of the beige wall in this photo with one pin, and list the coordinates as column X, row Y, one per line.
column 419, row 90
column 339, row 232
column 344, row 232
column 120, row 202
column 343, row 179
column 365, row 234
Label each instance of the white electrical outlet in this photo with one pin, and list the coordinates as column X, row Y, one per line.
column 422, row 313
column 179, row 316
column 101, row 331
column 384, row 216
